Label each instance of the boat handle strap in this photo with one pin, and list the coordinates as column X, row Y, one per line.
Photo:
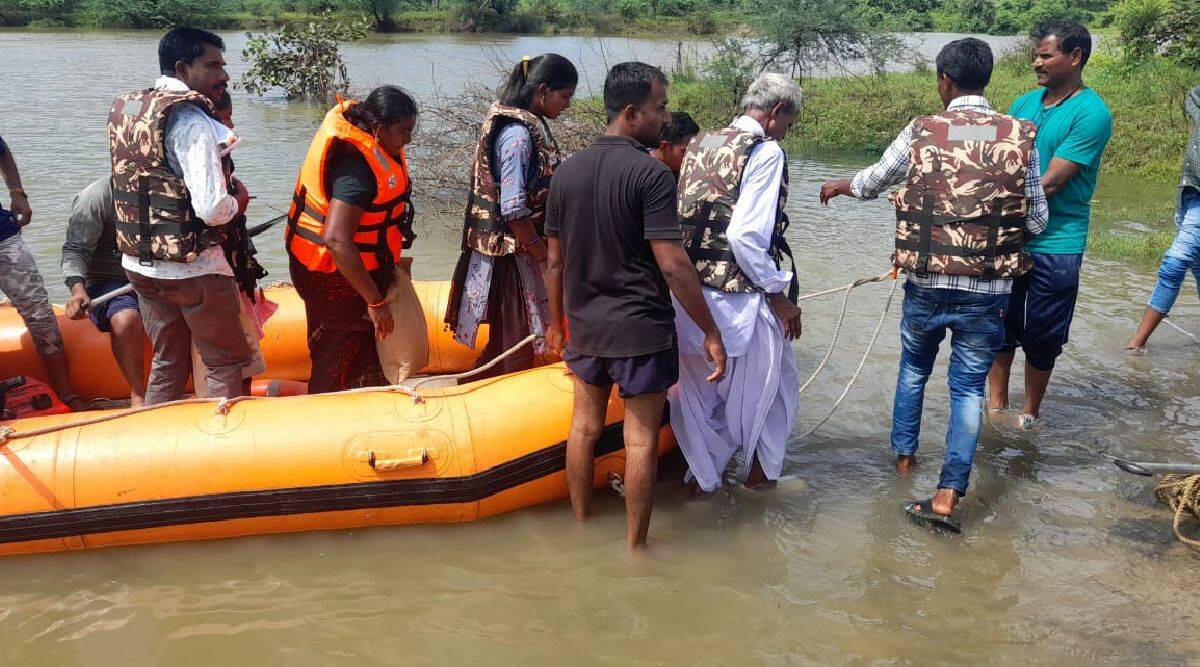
column 382, row 463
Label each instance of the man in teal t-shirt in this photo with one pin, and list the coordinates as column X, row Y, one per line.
column 1074, row 126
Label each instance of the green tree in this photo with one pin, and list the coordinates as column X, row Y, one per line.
column 304, row 61
column 1178, row 31
column 805, row 33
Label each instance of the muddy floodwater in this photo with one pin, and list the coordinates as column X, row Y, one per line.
column 1064, row 559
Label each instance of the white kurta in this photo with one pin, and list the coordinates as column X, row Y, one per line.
column 755, row 405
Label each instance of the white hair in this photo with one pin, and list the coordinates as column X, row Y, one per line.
column 770, row 89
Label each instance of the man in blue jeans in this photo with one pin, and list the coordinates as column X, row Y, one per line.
column 970, row 198
column 1074, row 126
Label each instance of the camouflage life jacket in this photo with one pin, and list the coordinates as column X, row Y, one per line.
column 155, row 220
column 484, row 228
column 710, row 182
column 962, row 210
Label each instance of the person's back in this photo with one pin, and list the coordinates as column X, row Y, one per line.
column 612, row 199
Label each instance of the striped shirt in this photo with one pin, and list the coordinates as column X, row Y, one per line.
column 892, row 169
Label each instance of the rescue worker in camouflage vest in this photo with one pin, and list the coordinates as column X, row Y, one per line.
column 499, row 278
column 172, row 198
column 970, row 197
column 733, row 187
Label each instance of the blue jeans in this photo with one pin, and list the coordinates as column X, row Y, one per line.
column 1182, row 256
column 976, row 324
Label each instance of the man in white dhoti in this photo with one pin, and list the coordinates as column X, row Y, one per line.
column 732, row 192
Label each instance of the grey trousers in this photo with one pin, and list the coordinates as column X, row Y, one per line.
column 204, row 309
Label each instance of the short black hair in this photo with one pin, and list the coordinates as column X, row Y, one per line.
column 1071, row 35
column 681, row 128
column 968, row 62
column 184, row 44
column 629, row 83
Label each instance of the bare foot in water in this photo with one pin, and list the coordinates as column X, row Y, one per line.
column 944, row 501
column 905, row 464
column 757, row 479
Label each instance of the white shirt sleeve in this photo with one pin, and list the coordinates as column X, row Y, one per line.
column 753, row 221
column 192, row 139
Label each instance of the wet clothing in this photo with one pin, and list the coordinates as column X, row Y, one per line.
column 976, row 324
column 893, row 167
column 607, row 203
column 754, row 407
column 179, row 313
column 652, row 373
column 1042, row 308
column 90, row 251
column 1076, row 129
column 23, row 285
column 102, row 315
column 341, row 338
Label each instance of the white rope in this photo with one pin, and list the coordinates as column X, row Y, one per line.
column 887, row 305
column 837, row 331
column 1181, row 329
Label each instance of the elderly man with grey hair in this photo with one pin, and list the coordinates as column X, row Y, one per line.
column 733, row 189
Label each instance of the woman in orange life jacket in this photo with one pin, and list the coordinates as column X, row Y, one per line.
column 351, row 215
column 498, row 279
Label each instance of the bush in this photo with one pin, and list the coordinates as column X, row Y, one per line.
column 1135, row 21
column 303, row 60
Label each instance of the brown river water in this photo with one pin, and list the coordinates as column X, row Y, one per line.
column 1065, row 560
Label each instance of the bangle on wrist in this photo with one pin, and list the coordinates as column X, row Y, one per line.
column 379, row 304
column 18, row 191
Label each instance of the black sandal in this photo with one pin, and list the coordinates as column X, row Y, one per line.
column 921, row 512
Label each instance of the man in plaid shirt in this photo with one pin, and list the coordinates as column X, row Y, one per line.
column 963, row 292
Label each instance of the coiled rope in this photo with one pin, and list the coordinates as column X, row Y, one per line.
column 1182, row 494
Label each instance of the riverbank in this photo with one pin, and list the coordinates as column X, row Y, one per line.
column 272, row 16
column 862, row 114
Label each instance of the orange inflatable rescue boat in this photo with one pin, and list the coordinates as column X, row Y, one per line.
column 206, row 469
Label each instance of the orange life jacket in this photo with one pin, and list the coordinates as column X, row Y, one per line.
column 385, row 226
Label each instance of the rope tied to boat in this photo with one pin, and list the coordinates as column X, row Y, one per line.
column 223, row 405
column 1182, row 494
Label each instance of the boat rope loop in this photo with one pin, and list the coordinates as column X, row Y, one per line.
column 1182, row 494
column 837, row 330
column 223, row 405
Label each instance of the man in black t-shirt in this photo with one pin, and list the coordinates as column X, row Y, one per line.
column 615, row 247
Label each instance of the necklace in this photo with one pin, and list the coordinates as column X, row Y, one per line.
column 1078, row 87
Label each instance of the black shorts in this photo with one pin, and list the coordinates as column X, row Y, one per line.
column 644, row 374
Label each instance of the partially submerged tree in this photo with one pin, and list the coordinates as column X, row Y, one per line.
column 302, row 60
